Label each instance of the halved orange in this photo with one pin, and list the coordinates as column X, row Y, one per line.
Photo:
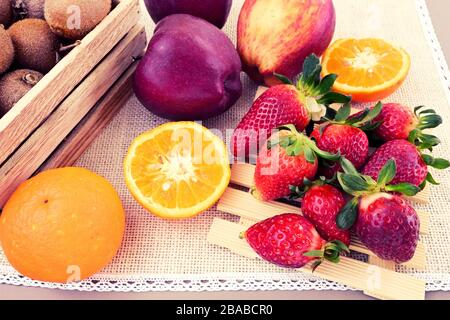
column 368, row 69
column 177, row 170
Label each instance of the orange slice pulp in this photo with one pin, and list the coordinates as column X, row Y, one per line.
column 177, row 170
column 368, row 69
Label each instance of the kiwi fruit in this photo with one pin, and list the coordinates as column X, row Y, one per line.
column 6, row 15
column 6, row 51
column 14, row 85
column 28, row 9
column 74, row 19
column 35, row 44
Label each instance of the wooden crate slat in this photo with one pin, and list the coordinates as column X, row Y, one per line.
column 40, row 102
column 243, row 204
column 87, row 130
column 390, row 265
column 27, row 159
column 242, row 175
column 418, row 262
column 377, row 282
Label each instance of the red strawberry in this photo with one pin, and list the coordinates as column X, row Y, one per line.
column 287, row 103
column 321, row 204
column 412, row 166
column 350, row 141
column 344, row 135
column 290, row 158
column 385, row 223
column 290, row 240
column 388, row 226
column 400, row 122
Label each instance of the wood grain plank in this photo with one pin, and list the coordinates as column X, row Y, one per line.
column 40, row 102
column 93, row 124
column 243, row 204
column 30, row 156
column 372, row 280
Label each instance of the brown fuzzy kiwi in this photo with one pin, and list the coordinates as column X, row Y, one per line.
column 6, row 50
column 28, row 9
column 74, row 19
column 6, row 14
column 14, row 85
column 35, row 44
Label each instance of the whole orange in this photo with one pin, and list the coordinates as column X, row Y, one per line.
column 62, row 225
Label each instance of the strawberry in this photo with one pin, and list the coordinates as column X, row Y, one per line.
column 385, row 223
column 400, row 122
column 412, row 165
column 388, row 226
column 345, row 134
column 287, row 103
column 291, row 241
column 321, row 204
column 289, row 159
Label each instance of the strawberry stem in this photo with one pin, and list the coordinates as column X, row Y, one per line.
column 331, row 251
column 312, row 85
column 296, row 143
column 357, row 185
column 428, row 119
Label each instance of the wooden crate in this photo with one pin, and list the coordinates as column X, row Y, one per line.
column 376, row 278
column 43, row 118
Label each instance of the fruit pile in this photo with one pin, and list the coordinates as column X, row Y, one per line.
column 35, row 35
column 349, row 170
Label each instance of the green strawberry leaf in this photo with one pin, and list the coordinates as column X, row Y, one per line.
column 314, row 254
column 296, row 192
column 424, row 141
column 348, row 166
column 405, row 188
column 431, row 180
column 331, row 114
column 373, row 113
column 285, row 141
column 436, row 163
column 283, row 78
column 343, row 113
column 440, row 164
column 348, row 215
column 316, row 264
column 371, row 126
column 413, row 135
column 333, row 97
column 326, row 84
column 427, row 111
column 427, row 159
column 359, row 117
column 387, row 173
column 352, row 183
column 311, row 70
column 310, row 156
column 417, row 109
column 341, row 246
column 429, row 121
column 332, row 256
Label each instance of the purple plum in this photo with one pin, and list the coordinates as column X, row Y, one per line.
column 214, row 11
column 191, row 70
